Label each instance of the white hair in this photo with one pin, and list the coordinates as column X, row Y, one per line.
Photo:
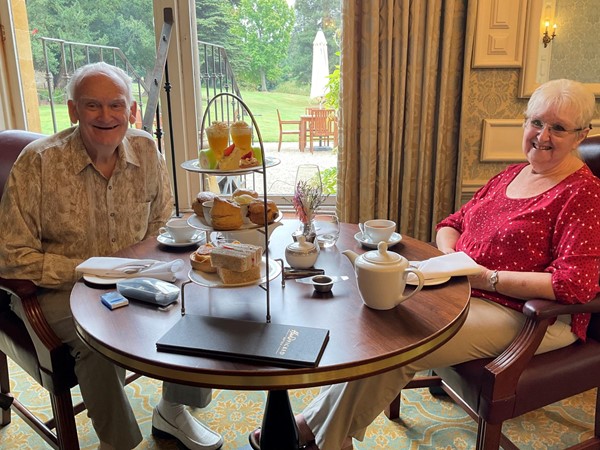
column 95, row 68
column 563, row 94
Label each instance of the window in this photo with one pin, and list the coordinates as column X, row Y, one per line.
column 221, row 61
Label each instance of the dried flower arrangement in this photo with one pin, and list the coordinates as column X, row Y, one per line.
column 307, row 198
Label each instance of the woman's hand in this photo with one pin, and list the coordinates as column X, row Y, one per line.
column 481, row 280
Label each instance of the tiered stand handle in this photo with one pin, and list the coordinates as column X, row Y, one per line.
column 262, row 170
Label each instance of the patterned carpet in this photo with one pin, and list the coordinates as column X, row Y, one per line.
column 427, row 423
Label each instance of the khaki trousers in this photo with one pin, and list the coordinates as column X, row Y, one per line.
column 346, row 409
column 101, row 382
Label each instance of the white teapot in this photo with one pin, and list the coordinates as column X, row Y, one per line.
column 382, row 277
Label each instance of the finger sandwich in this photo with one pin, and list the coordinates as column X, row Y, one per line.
column 237, row 263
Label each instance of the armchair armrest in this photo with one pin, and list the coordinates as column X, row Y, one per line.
column 544, row 309
column 22, row 288
column 508, row 366
column 48, row 346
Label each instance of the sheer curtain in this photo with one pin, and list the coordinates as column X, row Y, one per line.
column 401, row 75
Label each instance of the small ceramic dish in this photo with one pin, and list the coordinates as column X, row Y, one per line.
column 322, row 283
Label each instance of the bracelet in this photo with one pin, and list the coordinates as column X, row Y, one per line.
column 494, row 280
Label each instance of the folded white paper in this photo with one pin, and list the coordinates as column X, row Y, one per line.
column 111, row 267
column 452, row 264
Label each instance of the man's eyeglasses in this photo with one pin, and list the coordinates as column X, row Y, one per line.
column 553, row 129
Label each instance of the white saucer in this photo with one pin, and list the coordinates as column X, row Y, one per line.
column 414, row 281
column 167, row 240
column 102, row 281
column 394, row 239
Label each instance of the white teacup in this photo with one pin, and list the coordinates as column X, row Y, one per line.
column 207, row 209
column 378, row 230
column 179, row 230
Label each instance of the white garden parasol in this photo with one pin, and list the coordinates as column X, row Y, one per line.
column 320, row 67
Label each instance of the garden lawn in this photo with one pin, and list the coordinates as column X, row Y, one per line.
column 263, row 106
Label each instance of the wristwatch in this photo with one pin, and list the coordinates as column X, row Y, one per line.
column 494, row 280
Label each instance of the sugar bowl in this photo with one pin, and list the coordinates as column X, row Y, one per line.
column 301, row 254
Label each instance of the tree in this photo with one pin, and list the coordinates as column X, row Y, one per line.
column 127, row 25
column 332, row 97
column 215, row 21
column 310, row 15
column 264, row 27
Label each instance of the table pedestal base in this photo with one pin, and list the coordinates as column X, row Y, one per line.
column 279, row 430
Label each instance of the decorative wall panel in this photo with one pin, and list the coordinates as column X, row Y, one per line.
column 501, row 139
column 499, row 33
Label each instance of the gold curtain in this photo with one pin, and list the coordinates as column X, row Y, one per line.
column 401, row 73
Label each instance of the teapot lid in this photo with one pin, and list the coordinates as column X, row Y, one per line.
column 381, row 255
column 301, row 246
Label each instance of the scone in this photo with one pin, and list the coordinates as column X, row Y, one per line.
column 249, row 192
column 256, row 212
column 244, row 197
column 202, row 197
column 225, row 215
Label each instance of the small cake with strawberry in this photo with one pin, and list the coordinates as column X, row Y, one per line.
column 248, row 160
column 231, row 158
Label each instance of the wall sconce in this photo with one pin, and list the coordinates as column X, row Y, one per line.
column 547, row 38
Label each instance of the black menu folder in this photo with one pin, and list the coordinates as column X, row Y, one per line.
column 218, row 337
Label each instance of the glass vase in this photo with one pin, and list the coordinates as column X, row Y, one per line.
column 307, row 229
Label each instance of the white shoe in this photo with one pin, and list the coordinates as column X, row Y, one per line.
column 192, row 433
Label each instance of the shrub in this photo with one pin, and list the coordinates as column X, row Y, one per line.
column 329, row 180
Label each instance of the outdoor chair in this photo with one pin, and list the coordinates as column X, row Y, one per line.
column 517, row 381
column 322, row 127
column 32, row 345
column 282, row 131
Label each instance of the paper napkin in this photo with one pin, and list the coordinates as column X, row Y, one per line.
column 111, row 267
column 452, row 264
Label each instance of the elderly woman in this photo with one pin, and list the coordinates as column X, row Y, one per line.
column 533, row 231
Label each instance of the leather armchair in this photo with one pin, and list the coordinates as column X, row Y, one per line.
column 518, row 381
column 32, row 344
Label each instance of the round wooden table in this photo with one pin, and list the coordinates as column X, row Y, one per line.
column 362, row 341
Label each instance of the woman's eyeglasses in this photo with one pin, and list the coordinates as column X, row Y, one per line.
column 553, row 129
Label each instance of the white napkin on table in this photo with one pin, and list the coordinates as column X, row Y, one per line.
column 111, row 267
column 452, row 264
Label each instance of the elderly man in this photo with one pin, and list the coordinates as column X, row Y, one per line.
column 92, row 190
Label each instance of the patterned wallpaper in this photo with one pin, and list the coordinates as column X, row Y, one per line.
column 492, row 94
column 575, row 52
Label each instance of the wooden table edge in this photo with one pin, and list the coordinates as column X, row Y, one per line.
column 284, row 379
